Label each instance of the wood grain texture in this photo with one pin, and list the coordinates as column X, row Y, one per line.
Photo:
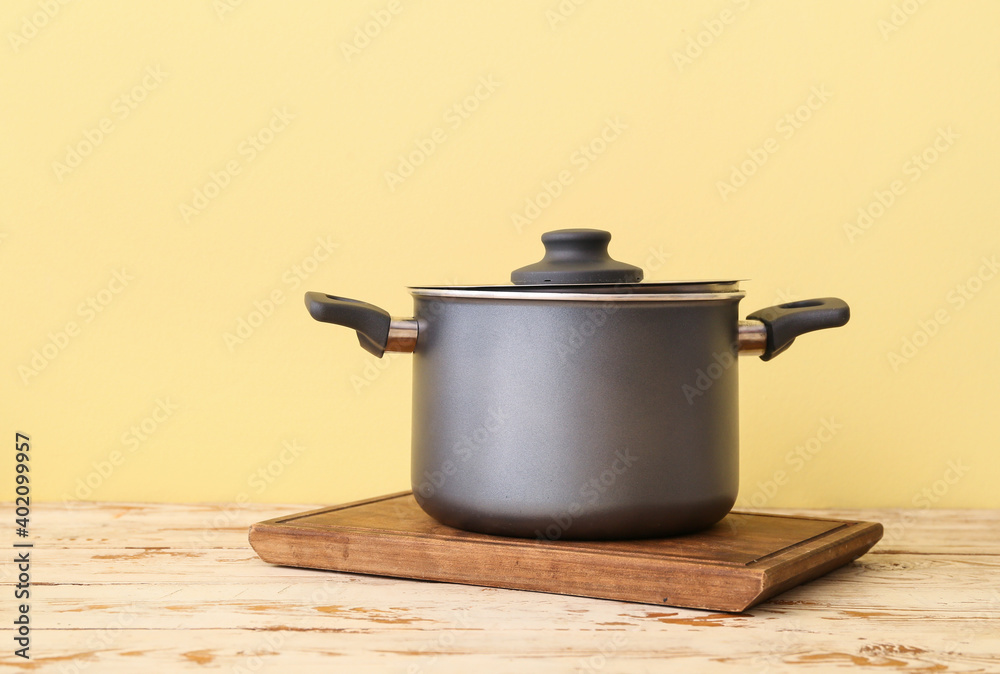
column 736, row 564
column 126, row 588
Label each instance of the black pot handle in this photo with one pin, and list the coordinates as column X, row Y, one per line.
column 785, row 322
column 370, row 322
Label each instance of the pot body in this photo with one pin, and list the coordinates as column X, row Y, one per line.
column 562, row 419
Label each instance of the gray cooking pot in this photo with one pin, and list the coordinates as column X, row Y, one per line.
column 577, row 403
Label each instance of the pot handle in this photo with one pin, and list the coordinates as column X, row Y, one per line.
column 784, row 322
column 377, row 331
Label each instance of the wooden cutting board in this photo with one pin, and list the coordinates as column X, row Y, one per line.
column 741, row 561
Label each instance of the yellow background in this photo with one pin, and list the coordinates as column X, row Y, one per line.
column 917, row 433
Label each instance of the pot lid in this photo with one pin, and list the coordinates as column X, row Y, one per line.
column 575, row 256
column 576, row 262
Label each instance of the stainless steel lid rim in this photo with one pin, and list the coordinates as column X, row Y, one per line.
column 517, row 295
column 650, row 287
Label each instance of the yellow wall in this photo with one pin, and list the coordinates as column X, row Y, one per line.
column 163, row 99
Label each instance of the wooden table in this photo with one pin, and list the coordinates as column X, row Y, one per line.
column 172, row 588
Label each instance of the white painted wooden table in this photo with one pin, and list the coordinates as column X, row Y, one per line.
column 173, row 588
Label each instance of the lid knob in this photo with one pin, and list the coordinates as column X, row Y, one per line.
column 576, row 256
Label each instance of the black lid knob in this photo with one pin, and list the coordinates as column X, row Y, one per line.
column 576, row 256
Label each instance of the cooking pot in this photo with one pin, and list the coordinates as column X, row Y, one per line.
column 578, row 402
